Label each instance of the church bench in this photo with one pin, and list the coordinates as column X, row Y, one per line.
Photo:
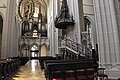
column 62, row 66
column 22, row 60
column 42, row 59
column 1, row 71
column 8, row 68
column 47, row 62
column 15, row 64
column 5, row 70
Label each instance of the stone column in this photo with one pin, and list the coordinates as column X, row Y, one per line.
column 115, row 31
column 8, row 44
column 51, row 28
column 107, row 35
column 99, row 30
column 76, row 9
column 117, row 8
column 55, row 13
column 53, row 31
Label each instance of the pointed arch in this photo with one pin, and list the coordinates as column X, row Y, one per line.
column 90, row 25
column 44, row 49
column 23, row 45
column 24, row 50
column 34, row 50
column 87, row 23
column 33, row 45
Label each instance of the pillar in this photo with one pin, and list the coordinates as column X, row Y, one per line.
column 9, row 38
column 107, row 36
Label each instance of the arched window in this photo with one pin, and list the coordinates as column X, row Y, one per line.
column 86, row 24
column 87, row 34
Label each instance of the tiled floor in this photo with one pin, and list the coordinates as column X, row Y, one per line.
column 31, row 71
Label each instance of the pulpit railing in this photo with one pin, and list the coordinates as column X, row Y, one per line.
column 80, row 49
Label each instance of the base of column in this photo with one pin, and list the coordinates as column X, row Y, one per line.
column 112, row 70
column 113, row 73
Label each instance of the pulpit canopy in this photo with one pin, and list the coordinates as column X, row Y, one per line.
column 64, row 19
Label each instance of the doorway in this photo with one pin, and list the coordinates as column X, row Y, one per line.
column 34, row 52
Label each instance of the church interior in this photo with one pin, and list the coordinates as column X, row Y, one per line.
column 59, row 39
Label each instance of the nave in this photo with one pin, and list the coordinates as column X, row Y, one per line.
column 31, row 71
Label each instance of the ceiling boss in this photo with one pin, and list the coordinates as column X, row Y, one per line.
column 26, row 9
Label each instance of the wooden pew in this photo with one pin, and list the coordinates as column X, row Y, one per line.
column 65, row 65
column 22, row 60
column 15, row 64
column 4, row 68
column 8, row 68
column 1, row 71
column 42, row 59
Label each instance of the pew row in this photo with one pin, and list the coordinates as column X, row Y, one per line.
column 8, row 67
column 23, row 60
column 59, row 69
column 42, row 59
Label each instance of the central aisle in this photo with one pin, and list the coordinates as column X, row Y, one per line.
column 31, row 71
